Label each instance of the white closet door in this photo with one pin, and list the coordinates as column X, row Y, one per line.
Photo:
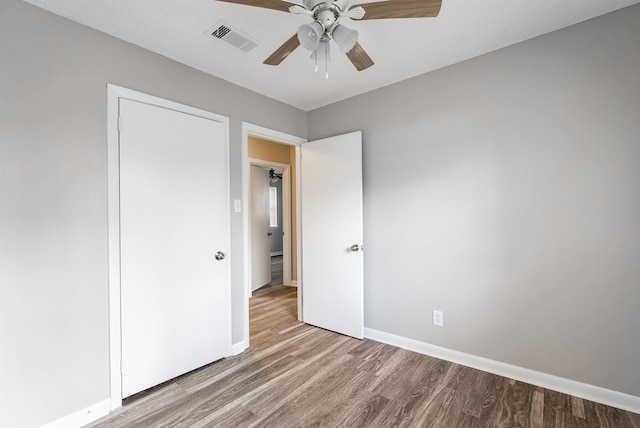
column 173, row 178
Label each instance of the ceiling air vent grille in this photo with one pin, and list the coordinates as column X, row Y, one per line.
column 233, row 36
column 221, row 31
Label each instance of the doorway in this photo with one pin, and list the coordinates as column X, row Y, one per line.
column 270, row 223
column 333, row 229
column 280, row 152
column 266, row 186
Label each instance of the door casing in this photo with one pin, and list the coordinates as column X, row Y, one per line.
column 114, row 93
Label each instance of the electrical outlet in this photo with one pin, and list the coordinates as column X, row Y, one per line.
column 438, row 318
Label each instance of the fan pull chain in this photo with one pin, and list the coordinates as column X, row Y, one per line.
column 326, row 60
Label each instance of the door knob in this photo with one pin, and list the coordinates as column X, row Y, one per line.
column 355, row 248
column 220, row 255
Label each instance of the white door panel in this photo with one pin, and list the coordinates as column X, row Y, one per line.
column 332, row 274
column 260, row 246
column 173, row 179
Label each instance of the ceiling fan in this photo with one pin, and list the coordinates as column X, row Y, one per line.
column 326, row 26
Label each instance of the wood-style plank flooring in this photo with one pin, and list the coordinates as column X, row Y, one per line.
column 295, row 375
column 276, row 270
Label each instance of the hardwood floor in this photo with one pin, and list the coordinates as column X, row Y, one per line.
column 296, row 375
column 276, row 269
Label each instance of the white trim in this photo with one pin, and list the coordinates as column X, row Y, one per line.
column 293, row 284
column 267, row 163
column 279, row 137
column 113, row 228
column 286, row 220
column 271, row 135
column 276, row 253
column 82, row 417
column 114, row 93
column 238, row 348
column 566, row 386
column 298, row 282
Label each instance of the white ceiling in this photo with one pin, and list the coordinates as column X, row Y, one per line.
column 400, row 48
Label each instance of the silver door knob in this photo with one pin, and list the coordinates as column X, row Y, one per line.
column 220, row 255
column 355, row 248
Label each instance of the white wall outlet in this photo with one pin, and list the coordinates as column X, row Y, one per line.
column 438, row 318
column 237, row 205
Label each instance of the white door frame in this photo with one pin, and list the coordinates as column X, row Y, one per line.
column 286, row 217
column 249, row 129
column 114, row 93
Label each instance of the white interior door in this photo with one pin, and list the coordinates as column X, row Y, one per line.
column 332, row 237
column 260, row 245
column 173, row 221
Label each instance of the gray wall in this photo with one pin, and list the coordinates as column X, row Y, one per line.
column 504, row 191
column 53, row 219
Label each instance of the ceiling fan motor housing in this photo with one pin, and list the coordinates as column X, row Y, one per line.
column 326, row 17
column 311, row 4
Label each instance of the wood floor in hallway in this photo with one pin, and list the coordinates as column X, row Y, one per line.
column 295, row 375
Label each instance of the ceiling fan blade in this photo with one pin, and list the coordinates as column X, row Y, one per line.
column 280, row 5
column 359, row 58
column 401, row 9
column 283, row 51
column 297, row 10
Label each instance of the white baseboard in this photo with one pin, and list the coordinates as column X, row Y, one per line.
column 238, row 348
column 294, row 283
column 567, row 386
column 82, row 417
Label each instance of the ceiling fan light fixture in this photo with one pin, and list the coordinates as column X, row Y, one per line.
column 327, row 13
column 345, row 38
column 322, row 53
column 309, row 35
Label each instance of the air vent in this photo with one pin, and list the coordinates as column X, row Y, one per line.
column 231, row 35
column 221, row 31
